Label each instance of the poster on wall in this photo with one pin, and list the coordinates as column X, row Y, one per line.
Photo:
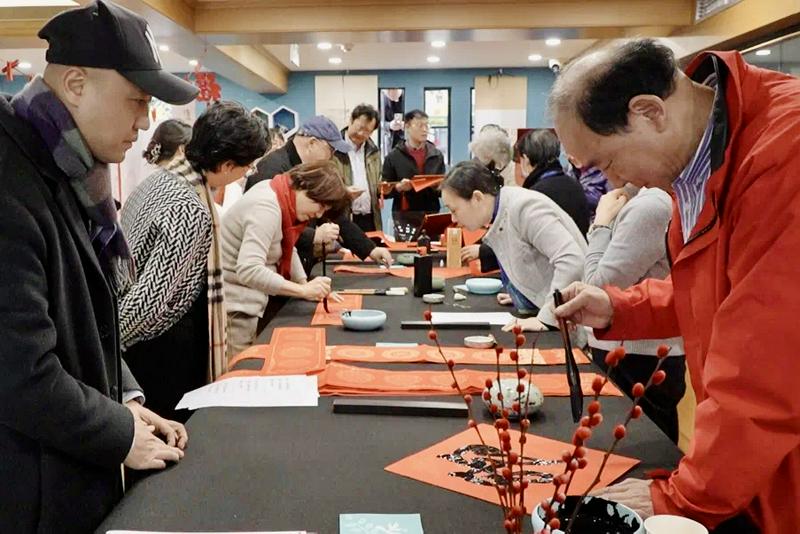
column 336, row 96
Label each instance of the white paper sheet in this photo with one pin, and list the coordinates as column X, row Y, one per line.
column 160, row 532
column 493, row 318
column 255, row 391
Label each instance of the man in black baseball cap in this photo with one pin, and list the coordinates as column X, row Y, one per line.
column 106, row 36
column 70, row 410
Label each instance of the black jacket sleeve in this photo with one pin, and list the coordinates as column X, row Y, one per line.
column 354, row 237
column 38, row 397
column 488, row 259
column 389, row 174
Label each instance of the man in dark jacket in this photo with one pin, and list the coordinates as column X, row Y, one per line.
column 414, row 156
column 317, row 140
column 64, row 430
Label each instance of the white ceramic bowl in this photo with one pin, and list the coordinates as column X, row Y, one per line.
column 618, row 509
column 479, row 342
column 508, row 386
column 363, row 319
column 672, row 524
column 484, row 286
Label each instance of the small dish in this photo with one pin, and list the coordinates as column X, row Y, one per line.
column 461, row 288
column 479, row 342
column 437, row 283
column 433, row 298
column 406, row 259
column 508, row 386
column 672, row 524
column 363, row 320
column 484, row 286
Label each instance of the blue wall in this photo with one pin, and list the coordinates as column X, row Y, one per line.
column 301, row 95
column 14, row 86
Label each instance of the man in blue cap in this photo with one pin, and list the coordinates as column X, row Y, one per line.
column 317, row 140
column 70, row 411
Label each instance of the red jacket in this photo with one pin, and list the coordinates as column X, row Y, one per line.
column 734, row 296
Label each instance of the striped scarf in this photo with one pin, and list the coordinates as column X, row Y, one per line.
column 217, row 363
column 89, row 179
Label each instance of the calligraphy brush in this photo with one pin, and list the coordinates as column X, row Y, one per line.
column 573, row 375
column 324, row 273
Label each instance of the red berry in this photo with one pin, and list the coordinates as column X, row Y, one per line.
column 523, row 439
column 451, row 364
column 560, row 497
column 659, row 377
column 517, row 511
column 554, row 523
column 594, row 407
column 487, row 396
column 505, row 436
column 582, row 463
column 579, row 452
column 524, row 424
column 501, row 490
column 454, row 385
column 545, row 505
column 500, row 396
column 471, row 423
column 514, row 355
column 498, row 350
column 489, row 383
column 619, row 432
column 636, row 412
column 427, row 315
column 522, row 373
column 611, row 359
column 566, row 456
column 432, row 335
column 520, row 388
column 517, row 329
column 502, row 424
column 515, row 407
column 508, row 525
column 520, row 340
column 513, row 458
column 493, row 408
column 505, row 413
column 573, row 465
column 506, row 473
column 638, row 390
column 597, row 384
column 583, row 433
column 585, row 421
column 525, row 484
column 596, row 419
column 663, row 351
column 468, row 398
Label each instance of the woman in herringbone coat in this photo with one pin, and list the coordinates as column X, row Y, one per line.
column 172, row 317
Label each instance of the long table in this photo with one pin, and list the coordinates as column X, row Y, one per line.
column 299, row 468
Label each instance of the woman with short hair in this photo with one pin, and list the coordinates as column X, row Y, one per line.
column 259, row 234
column 172, row 318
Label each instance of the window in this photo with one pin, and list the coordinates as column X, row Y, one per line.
column 437, row 106
column 782, row 54
column 392, row 109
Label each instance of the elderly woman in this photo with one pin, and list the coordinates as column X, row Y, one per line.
column 538, row 245
column 172, row 318
column 259, row 234
column 492, row 147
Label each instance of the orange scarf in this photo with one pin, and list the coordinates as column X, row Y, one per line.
column 291, row 228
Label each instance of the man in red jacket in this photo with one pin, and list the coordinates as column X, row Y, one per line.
column 724, row 139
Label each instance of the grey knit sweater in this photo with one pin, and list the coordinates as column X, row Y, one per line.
column 632, row 250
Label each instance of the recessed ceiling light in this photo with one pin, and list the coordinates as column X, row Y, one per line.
column 553, row 41
column 334, row 60
column 24, row 65
column 535, row 57
column 324, row 46
column 163, row 48
column 763, row 52
column 438, row 44
column 433, row 59
column 193, row 62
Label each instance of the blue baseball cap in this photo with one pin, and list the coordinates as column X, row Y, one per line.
column 323, row 128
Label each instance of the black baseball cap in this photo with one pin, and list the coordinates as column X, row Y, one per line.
column 106, row 36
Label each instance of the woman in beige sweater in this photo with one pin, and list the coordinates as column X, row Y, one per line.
column 258, row 237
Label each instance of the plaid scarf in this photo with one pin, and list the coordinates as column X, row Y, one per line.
column 217, row 319
column 89, row 179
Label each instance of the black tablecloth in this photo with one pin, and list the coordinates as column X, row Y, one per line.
column 299, row 468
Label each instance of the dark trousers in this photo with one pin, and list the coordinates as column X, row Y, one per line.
column 173, row 363
column 365, row 222
column 660, row 403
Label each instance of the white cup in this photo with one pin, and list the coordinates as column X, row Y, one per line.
column 672, row 524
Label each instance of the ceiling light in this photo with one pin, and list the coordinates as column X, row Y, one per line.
column 24, row 65
column 193, row 62
column 553, row 41
column 438, row 44
column 763, row 52
column 334, row 60
column 324, row 46
column 433, row 59
column 163, row 48
column 535, row 57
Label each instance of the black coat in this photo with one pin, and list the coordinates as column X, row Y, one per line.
column 353, row 237
column 62, row 434
column 399, row 164
column 562, row 189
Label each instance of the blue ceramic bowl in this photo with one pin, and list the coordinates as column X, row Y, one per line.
column 484, row 286
column 363, row 319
